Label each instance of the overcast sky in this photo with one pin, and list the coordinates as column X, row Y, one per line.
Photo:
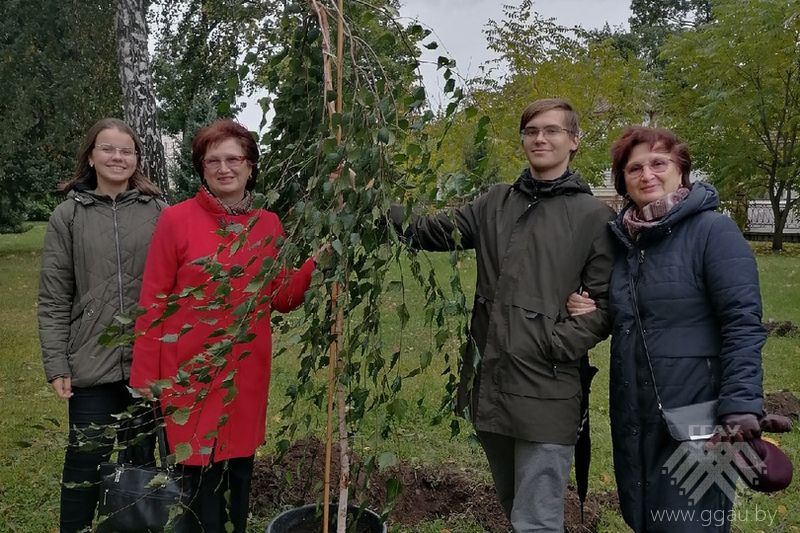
column 458, row 26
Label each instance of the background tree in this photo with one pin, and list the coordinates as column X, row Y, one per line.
column 652, row 21
column 736, row 100
column 58, row 67
column 139, row 101
column 200, row 68
column 543, row 59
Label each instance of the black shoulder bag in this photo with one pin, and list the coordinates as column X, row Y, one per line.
column 695, row 421
column 140, row 499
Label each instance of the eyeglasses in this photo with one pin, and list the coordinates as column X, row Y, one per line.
column 658, row 165
column 109, row 150
column 232, row 161
column 549, row 132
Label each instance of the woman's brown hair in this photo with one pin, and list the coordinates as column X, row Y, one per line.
column 219, row 131
column 658, row 139
column 85, row 174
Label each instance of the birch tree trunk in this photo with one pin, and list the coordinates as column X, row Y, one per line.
column 139, row 101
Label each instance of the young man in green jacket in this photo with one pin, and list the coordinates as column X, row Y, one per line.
column 536, row 241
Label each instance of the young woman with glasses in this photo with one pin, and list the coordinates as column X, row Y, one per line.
column 92, row 263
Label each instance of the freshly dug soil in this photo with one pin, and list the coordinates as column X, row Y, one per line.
column 781, row 328
column 313, row 523
column 782, row 403
column 428, row 493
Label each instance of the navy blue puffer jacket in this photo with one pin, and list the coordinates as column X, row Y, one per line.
column 694, row 279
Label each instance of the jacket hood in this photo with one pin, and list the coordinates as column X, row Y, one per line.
column 570, row 183
column 86, row 197
column 702, row 197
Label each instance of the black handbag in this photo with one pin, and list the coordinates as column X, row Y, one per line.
column 696, row 421
column 142, row 499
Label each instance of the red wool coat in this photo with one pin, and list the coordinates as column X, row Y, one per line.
column 217, row 428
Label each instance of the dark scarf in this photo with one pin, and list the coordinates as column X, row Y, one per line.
column 242, row 207
column 636, row 219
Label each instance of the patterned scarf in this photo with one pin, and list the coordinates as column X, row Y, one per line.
column 636, row 219
column 242, row 207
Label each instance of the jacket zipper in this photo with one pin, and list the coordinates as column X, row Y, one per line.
column 533, row 202
column 119, row 272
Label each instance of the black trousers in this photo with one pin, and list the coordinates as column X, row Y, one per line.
column 221, row 495
column 91, row 442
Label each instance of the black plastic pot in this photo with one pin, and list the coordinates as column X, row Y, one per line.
column 308, row 519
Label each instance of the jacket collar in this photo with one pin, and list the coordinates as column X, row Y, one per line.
column 568, row 183
column 87, row 197
column 702, row 197
column 209, row 202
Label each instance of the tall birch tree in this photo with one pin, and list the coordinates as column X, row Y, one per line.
column 139, row 101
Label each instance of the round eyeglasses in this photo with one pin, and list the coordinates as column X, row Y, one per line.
column 109, row 150
column 231, row 161
column 549, row 132
column 657, row 165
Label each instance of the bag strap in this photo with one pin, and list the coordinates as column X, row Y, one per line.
column 161, row 438
column 632, row 287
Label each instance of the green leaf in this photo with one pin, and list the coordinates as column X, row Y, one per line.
column 169, row 338
column 385, row 136
column 425, row 359
column 387, row 460
column 181, row 415
column 159, row 480
column 231, row 394
column 455, row 428
column 254, row 286
column 124, row 320
column 183, row 450
column 402, row 312
column 393, row 487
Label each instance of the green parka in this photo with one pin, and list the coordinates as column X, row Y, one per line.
column 535, row 243
column 92, row 263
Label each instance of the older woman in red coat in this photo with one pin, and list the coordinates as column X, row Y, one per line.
column 211, row 280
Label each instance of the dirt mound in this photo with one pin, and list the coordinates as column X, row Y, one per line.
column 782, row 403
column 781, row 328
column 429, row 492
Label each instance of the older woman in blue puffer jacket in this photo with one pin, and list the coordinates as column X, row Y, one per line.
column 687, row 272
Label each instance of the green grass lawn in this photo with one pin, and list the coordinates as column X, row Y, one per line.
column 33, row 432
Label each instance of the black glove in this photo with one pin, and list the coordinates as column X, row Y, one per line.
column 738, row 427
column 775, row 424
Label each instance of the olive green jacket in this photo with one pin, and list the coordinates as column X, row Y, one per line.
column 92, row 263
column 535, row 243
